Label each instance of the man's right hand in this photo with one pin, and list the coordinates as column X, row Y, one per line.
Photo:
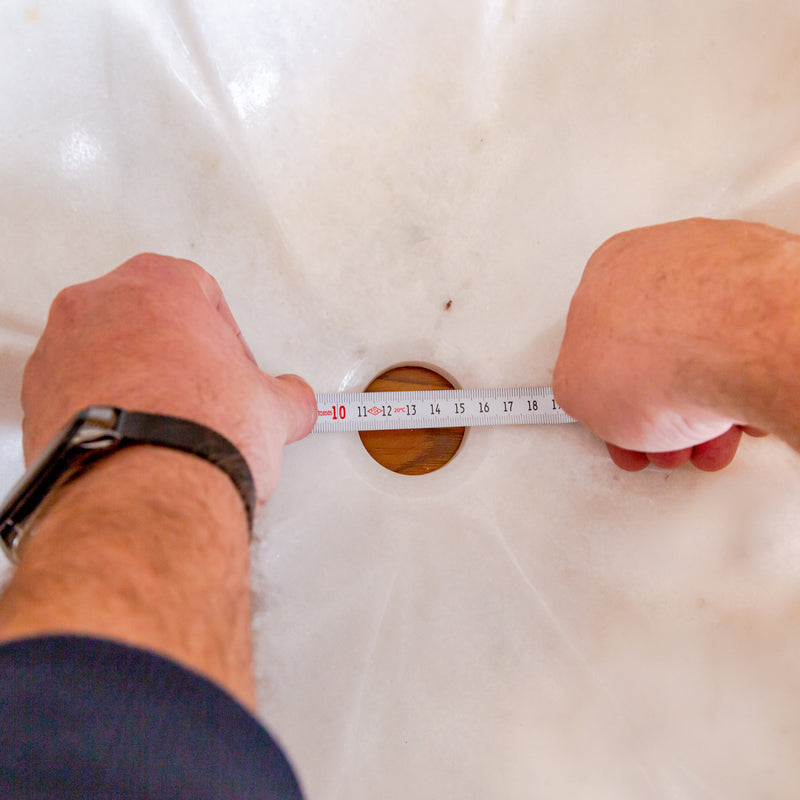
column 682, row 335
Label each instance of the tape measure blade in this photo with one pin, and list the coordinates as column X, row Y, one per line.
column 437, row 408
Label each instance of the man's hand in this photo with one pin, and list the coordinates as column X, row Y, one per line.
column 150, row 545
column 680, row 337
column 157, row 335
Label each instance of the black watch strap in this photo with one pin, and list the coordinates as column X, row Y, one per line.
column 95, row 433
column 138, row 427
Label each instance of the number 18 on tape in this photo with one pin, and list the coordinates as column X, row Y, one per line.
column 441, row 408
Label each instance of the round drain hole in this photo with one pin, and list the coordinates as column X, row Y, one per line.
column 416, row 451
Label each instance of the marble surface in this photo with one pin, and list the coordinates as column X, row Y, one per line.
column 529, row 621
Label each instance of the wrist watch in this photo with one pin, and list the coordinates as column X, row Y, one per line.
column 95, row 433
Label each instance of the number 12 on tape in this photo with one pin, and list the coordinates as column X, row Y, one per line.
column 440, row 408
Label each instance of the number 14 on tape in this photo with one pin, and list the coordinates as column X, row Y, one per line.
column 440, row 408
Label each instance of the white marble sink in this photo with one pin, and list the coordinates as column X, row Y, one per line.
column 529, row 621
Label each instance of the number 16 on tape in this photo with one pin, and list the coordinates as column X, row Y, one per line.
column 440, row 408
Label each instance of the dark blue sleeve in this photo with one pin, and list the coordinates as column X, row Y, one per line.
column 82, row 717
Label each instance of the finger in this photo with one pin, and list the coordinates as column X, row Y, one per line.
column 225, row 312
column 156, row 268
column 299, row 406
column 205, row 280
column 212, row 290
column 718, row 453
column 755, row 432
column 670, row 460
column 629, row 460
column 162, row 270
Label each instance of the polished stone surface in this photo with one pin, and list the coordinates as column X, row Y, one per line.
column 528, row 621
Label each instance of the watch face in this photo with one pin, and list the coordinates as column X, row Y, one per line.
column 55, row 464
column 38, row 479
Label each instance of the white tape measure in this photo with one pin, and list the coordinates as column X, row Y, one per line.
column 438, row 408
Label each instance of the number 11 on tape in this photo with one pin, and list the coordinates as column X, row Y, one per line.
column 440, row 408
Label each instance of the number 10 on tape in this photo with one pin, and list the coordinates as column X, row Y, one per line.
column 441, row 408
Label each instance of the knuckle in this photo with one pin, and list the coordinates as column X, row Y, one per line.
column 168, row 272
column 143, row 268
column 29, row 375
column 143, row 262
column 66, row 305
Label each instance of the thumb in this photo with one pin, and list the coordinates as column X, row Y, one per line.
column 299, row 406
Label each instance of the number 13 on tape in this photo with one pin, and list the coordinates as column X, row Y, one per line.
column 440, row 408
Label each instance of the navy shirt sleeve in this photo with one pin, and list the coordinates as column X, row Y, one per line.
column 83, row 717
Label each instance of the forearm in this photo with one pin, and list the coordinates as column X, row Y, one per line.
column 746, row 355
column 149, row 547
